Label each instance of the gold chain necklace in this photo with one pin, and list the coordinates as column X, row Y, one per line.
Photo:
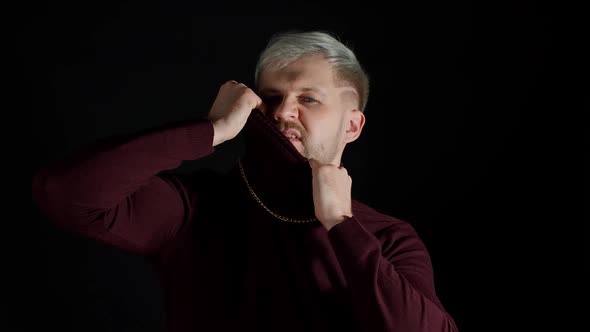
column 299, row 221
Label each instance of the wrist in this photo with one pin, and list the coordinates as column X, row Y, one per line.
column 335, row 221
column 218, row 137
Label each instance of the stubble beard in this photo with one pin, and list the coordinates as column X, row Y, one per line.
column 322, row 152
column 326, row 152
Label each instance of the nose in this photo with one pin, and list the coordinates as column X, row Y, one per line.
column 285, row 111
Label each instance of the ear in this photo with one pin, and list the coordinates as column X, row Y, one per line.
column 355, row 125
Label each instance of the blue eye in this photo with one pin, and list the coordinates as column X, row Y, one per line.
column 309, row 100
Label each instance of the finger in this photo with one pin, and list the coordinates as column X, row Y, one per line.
column 260, row 104
column 313, row 163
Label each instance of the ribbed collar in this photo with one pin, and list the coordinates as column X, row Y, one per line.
column 279, row 175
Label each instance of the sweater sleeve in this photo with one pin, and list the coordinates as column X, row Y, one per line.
column 390, row 278
column 115, row 192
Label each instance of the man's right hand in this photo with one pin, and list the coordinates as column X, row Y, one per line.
column 231, row 109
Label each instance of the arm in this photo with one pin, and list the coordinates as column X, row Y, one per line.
column 389, row 274
column 391, row 281
column 112, row 192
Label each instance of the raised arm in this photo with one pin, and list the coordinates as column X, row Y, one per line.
column 115, row 192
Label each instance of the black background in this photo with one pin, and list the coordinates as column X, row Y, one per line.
column 456, row 141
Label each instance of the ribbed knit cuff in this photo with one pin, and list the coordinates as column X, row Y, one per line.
column 200, row 138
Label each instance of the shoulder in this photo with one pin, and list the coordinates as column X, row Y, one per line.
column 381, row 224
column 399, row 239
column 372, row 218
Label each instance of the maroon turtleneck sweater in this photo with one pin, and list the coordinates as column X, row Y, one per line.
column 224, row 262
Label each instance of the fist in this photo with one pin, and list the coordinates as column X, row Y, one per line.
column 230, row 110
column 331, row 193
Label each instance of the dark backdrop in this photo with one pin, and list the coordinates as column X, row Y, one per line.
column 452, row 142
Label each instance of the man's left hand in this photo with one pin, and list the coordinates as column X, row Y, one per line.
column 331, row 193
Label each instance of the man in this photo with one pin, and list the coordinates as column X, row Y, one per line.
column 275, row 244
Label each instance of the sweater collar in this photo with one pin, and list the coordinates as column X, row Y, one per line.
column 277, row 173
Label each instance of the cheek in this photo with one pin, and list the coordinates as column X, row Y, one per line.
column 320, row 126
column 313, row 128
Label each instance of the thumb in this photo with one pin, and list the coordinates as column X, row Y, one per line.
column 313, row 163
column 261, row 106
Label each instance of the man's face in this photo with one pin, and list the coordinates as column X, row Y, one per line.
column 311, row 109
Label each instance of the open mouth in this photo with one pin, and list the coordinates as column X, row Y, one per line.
column 258, row 128
column 292, row 135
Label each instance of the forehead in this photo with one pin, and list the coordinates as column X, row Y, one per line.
column 311, row 70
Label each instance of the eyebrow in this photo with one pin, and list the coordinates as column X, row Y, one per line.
column 303, row 89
